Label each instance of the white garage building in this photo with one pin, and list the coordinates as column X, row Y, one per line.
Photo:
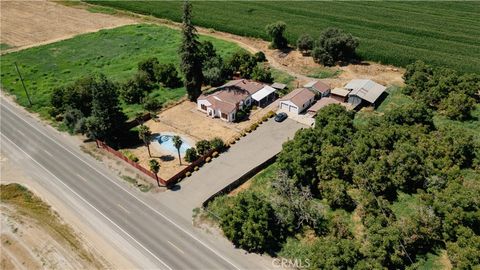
column 297, row 101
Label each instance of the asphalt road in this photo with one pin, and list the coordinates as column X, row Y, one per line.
column 157, row 232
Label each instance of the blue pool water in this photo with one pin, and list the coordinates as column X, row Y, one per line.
column 166, row 143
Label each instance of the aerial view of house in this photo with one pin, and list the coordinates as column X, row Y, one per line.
column 227, row 99
column 319, row 87
column 198, row 135
column 297, row 101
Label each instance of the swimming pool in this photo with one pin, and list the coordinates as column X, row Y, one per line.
column 166, row 143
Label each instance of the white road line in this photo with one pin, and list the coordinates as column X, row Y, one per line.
column 181, row 251
column 48, row 153
column 21, row 133
column 121, row 187
column 81, row 177
column 123, row 208
column 85, row 201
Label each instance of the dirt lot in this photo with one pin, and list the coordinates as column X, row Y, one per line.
column 31, row 23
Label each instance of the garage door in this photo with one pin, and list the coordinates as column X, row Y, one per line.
column 292, row 108
column 283, row 106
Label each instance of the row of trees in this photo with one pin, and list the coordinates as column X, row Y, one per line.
column 90, row 106
column 453, row 94
column 334, row 45
column 364, row 168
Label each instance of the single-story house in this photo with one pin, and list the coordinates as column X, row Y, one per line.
column 227, row 99
column 340, row 94
column 322, row 89
column 297, row 101
column 323, row 103
column 364, row 92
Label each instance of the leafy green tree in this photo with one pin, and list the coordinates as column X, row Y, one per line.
column 335, row 192
column 260, row 57
column 151, row 104
column 167, row 75
column 71, row 118
column 305, row 43
column 335, row 124
column 77, row 95
column 410, row 114
column 218, row 144
column 276, row 31
column 262, row 73
column 465, row 252
column 107, row 117
column 294, row 205
column 457, row 106
column 241, row 62
column 190, row 55
column 214, row 76
column 203, row 146
column 149, row 66
column 250, row 223
column 155, row 168
column 145, row 136
column 131, row 92
column 177, row 142
column 191, row 154
column 335, row 45
column 142, row 81
column 298, row 157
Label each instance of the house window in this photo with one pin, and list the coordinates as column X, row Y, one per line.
column 224, row 116
column 204, row 107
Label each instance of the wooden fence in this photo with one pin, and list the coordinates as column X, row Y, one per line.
column 134, row 164
column 169, row 182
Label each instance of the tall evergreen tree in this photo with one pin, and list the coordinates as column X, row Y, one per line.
column 190, row 55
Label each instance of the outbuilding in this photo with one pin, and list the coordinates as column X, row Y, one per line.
column 364, row 92
column 340, row 94
column 297, row 101
column 321, row 88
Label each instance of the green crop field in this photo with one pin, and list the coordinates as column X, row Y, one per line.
column 114, row 52
column 398, row 33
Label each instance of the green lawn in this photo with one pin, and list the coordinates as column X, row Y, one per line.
column 398, row 33
column 114, row 52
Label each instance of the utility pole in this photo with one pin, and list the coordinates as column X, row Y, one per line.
column 23, row 84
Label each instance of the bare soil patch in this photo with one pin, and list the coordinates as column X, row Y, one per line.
column 32, row 23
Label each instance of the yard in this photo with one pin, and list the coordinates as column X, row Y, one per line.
column 114, row 52
column 192, row 125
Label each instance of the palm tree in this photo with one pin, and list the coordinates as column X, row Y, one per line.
column 154, row 167
column 177, row 142
column 145, row 135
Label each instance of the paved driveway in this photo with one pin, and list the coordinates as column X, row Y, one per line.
column 249, row 152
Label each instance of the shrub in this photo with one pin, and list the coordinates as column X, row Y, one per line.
column 275, row 31
column 203, row 146
column 208, row 159
column 151, row 104
column 191, row 154
column 305, row 43
column 195, row 168
column 457, row 106
column 143, row 82
column 71, row 117
column 129, row 155
column 237, row 138
column 233, row 141
column 188, row 174
column 213, row 76
column 215, row 154
column 254, row 126
column 217, row 144
column 167, row 74
column 148, row 66
column 131, row 93
column 260, row 57
column 262, row 73
column 248, row 130
column 240, row 115
column 334, row 45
